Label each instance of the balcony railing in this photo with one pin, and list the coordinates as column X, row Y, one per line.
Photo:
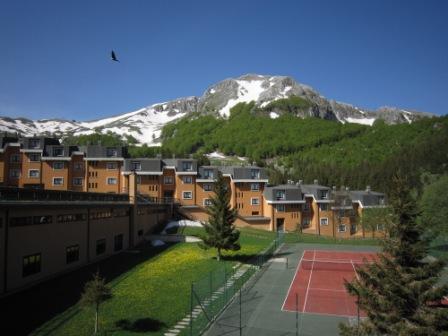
column 24, row 194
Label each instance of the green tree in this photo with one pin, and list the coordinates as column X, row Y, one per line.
column 95, row 293
column 374, row 218
column 434, row 207
column 399, row 291
column 220, row 232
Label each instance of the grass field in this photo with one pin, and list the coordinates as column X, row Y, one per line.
column 155, row 294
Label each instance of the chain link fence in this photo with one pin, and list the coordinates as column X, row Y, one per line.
column 211, row 294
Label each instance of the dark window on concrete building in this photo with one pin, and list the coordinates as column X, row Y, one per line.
column 71, row 218
column 100, row 246
column 20, row 221
column 118, row 242
column 72, row 253
column 42, row 219
column 31, row 264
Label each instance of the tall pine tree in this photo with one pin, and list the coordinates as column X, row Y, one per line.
column 400, row 291
column 220, row 229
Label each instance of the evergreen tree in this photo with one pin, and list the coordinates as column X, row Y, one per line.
column 220, row 229
column 400, row 291
column 95, row 292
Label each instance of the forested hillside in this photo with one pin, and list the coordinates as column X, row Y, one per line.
column 312, row 148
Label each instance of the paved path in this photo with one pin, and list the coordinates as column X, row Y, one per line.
column 263, row 298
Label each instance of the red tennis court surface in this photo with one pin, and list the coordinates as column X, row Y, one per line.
column 319, row 283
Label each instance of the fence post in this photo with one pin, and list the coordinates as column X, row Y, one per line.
column 241, row 328
column 191, row 310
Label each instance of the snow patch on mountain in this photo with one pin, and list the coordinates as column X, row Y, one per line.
column 364, row 121
column 247, row 91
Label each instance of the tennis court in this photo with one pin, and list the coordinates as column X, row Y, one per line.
column 318, row 284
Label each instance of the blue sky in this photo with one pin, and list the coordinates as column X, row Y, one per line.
column 54, row 59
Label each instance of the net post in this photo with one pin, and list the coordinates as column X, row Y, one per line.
column 297, row 314
column 241, row 328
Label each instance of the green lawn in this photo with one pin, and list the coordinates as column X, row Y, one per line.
column 155, row 294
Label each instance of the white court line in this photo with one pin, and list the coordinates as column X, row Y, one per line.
column 290, row 286
column 329, row 290
column 309, row 281
column 354, row 269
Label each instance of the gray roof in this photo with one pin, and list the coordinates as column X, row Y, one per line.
column 201, row 173
column 43, row 141
column 49, row 150
column 99, row 151
column 316, row 190
column 179, row 164
column 368, row 198
column 244, row 173
column 292, row 192
column 147, row 165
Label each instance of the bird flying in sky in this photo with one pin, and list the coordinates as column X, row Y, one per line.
column 113, row 57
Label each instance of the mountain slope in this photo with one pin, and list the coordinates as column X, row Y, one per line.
column 145, row 124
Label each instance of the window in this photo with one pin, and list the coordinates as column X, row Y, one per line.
column 111, row 152
column 306, row 223
column 14, row 173
column 58, row 181
column 342, row 228
column 58, row 165
column 33, row 173
column 255, row 201
column 72, row 253
column 353, row 228
column 380, row 227
column 77, row 181
column 208, row 187
column 168, row 180
column 14, row 158
column 381, row 200
column 208, row 173
column 324, row 221
column 78, row 166
column 255, row 186
column 207, row 202
column 324, row 194
column 280, row 207
column 71, row 218
column 280, row 194
column 58, row 151
column 255, row 173
column 118, row 242
column 34, row 143
column 42, row 219
column 111, row 180
column 34, row 157
column 187, row 179
column 187, row 166
column 306, row 206
column 139, row 179
column 111, row 165
column 136, row 165
column 31, row 264
column 100, row 246
column 187, row 195
column 20, row 221
column 323, row 207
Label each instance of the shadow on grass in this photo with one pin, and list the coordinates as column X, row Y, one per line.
column 142, row 325
column 45, row 301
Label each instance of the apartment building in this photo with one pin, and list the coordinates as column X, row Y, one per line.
column 44, row 233
column 39, row 162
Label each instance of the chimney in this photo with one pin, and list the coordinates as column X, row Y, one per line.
column 316, row 182
column 368, row 188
